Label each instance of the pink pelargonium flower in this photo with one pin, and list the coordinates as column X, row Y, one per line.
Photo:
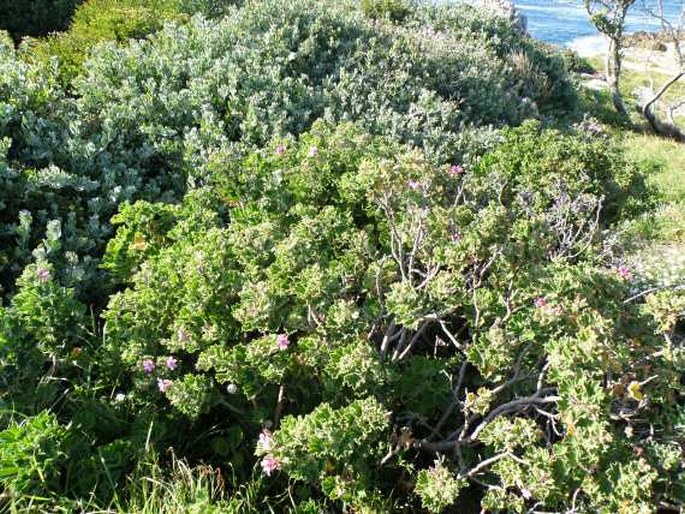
column 414, row 184
column 456, row 169
column 623, row 271
column 164, row 384
column 44, row 275
column 540, row 302
column 270, row 464
column 265, row 440
column 148, row 366
column 171, row 363
column 280, row 150
column 282, row 342
column 313, row 151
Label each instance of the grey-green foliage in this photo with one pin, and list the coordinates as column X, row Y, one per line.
column 38, row 186
column 145, row 117
column 273, row 67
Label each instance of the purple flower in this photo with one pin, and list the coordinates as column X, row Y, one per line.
column 270, row 464
column 624, row 271
column 313, row 151
column 44, row 275
column 171, row 363
column 414, row 184
column 282, row 342
column 456, row 169
column 280, row 150
column 148, row 366
column 164, row 384
column 540, row 302
column 265, row 439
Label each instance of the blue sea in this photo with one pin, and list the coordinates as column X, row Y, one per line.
column 565, row 22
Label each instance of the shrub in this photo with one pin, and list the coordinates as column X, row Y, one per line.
column 423, row 81
column 29, row 455
column 147, row 115
column 35, row 17
column 396, row 10
column 33, row 190
column 392, row 307
column 350, row 260
column 97, row 21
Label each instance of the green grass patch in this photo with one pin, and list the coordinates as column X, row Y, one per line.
column 666, row 160
column 669, row 160
column 633, row 80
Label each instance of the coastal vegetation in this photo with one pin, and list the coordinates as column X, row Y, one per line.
column 609, row 17
column 331, row 256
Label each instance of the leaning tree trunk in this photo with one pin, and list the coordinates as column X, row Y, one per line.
column 613, row 73
column 660, row 127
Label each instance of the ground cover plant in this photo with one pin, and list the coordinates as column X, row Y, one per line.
column 316, row 256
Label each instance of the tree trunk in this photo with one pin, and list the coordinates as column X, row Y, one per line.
column 613, row 74
column 660, row 127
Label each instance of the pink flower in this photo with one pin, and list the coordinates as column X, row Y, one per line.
column 526, row 493
column 44, row 275
column 623, row 271
column 313, row 151
column 282, row 342
column 164, row 384
column 270, row 464
column 148, row 366
column 171, row 363
column 414, row 184
column 265, row 439
column 280, row 150
column 540, row 302
column 456, row 169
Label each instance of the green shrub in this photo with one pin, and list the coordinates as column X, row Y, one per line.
column 396, row 10
column 30, row 454
column 35, row 17
column 350, row 263
column 576, row 63
column 147, row 115
column 298, row 239
column 97, row 21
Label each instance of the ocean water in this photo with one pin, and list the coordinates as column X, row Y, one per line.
column 565, row 22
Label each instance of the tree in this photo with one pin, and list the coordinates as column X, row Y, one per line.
column 672, row 31
column 608, row 17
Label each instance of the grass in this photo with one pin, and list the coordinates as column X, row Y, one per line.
column 654, row 243
column 632, row 81
column 666, row 159
column 669, row 156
